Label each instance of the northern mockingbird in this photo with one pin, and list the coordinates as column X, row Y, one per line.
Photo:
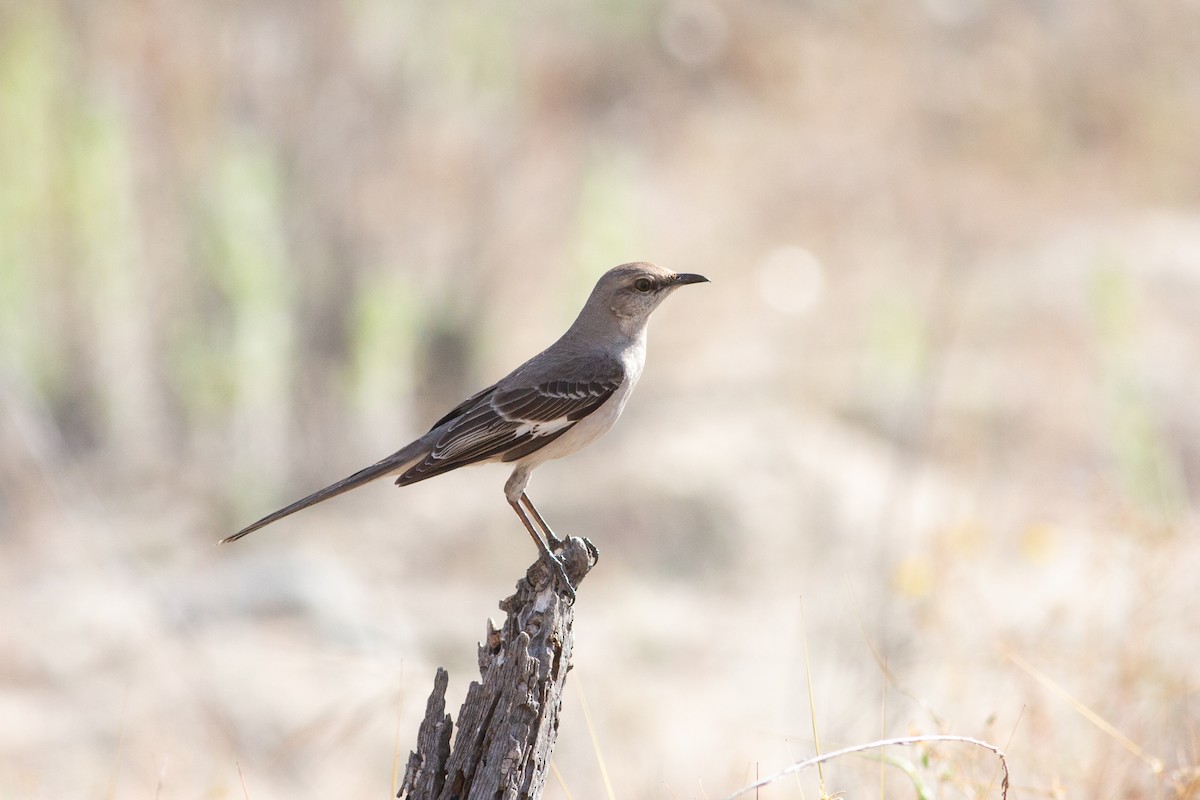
column 554, row 404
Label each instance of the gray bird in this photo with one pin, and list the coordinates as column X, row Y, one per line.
column 556, row 403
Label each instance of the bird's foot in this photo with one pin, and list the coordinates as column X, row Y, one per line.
column 559, row 571
column 593, row 553
column 571, row 561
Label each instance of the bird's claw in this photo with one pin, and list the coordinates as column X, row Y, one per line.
column 593, row 553
column 560, row 571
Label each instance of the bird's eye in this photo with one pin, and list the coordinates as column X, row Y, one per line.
column 643, row 284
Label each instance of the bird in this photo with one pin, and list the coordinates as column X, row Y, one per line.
column 553, row 405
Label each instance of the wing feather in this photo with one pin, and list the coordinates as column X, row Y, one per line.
column 512, row 422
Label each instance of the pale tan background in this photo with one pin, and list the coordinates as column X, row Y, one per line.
column 941, row 393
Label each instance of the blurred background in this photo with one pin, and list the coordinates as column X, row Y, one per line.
column 922, row 458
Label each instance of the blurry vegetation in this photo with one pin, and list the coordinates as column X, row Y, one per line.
column 1148, row 462
column 201, row 205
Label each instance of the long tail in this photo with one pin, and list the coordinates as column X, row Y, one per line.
column 388, row 466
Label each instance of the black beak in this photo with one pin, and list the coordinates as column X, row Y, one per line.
column 688, row 277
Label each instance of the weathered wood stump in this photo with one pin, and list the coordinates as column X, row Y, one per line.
column 508, row 723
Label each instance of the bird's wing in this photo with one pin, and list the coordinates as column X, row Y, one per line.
column 514, row 421
column 463, row 407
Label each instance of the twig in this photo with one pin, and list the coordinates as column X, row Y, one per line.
column 859, row 748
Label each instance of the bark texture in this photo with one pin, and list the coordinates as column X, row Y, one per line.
column 508, row 723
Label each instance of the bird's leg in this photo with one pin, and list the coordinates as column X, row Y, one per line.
column 543, row 549
column 552, row 540
column 555, row 542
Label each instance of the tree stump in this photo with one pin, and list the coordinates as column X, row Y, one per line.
column 508, row 723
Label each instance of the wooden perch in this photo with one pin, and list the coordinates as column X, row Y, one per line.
column 509, row 722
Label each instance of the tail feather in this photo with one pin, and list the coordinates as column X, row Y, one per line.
column 388, row 466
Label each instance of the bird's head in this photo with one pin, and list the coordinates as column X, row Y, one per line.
column 632, row 291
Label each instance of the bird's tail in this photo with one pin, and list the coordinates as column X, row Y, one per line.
column 394, row 463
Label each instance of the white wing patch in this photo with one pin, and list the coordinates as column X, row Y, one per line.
column 544, row 428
